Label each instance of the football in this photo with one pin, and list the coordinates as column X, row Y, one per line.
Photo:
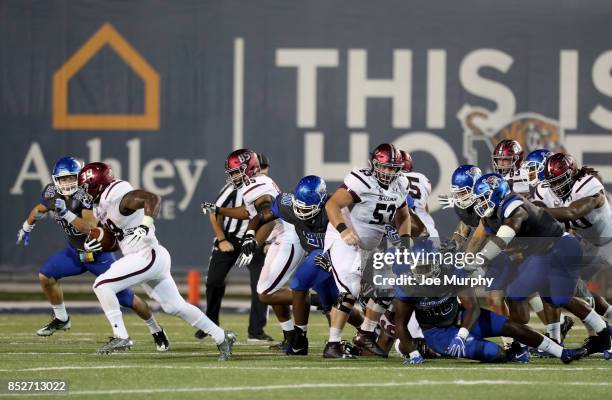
column 104, row 236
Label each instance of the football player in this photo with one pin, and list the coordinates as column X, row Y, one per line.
column 73, row 213
column 285, row 252
column 358, row 211
column 507, row 159
column 552, row 258
column 577, row 198
column 438, row 310
column 129, row 213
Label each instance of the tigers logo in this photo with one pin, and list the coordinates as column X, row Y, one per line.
column 474, row 172
column 481, row 133
column 492, row 181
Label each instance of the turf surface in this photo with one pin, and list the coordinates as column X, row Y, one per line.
column 190, row 369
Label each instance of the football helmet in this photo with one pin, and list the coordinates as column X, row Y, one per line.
column 407, row 161
column 534, row 165
column 507, row 157
column 387, row 163
column 308, row 197
column 559, row 173
column 241, row 165
column 94, row 178
column 66, row 167
column 462, row 182
column 424, row 265
column 489, row 191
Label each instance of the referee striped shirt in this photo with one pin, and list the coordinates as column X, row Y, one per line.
column 229, row 197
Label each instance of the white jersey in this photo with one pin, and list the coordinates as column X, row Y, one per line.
column 419, row 188
column 374, row 206
column 121, row 225
column 257, row 187
column 596, row 226
column 518, row 181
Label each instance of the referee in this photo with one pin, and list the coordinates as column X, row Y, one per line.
column 226, row 249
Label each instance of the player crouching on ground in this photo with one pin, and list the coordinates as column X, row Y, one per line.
column 74, row 215
column 129, row 213
column 459, row 329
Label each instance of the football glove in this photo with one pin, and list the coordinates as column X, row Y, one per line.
column 249, row 244
column 244, row 260
column 23, row 235
column 323, row 261
column 140, row 232
column 456, row 348
column 93, row 245
column 209, row 207
column 60, row 207
column 414, row 358
column 446, row 201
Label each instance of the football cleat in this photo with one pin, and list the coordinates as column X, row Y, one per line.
column 54, row 325
column 517, row 353
column 365, row 340
column 161, row 340
column 566, row 325
column 284, row 345
column 608, row 354
column 116, row 344
column 425, row 350
column 591, row 345
column 299, row 343
column 570, row 355
column 225, row 347
column 260, row 337
column 337, row 350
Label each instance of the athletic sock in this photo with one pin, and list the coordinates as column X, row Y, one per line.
column 368, row 325
column 335, row 334
column 507, row 341
column 205, row 324
column 595, row 322
column 153, row 325
column 302, row 327
column 116, row 320
column 287, row 326
column 550, row 347
column 554, row 331
column 59, row 310
column 608, row 314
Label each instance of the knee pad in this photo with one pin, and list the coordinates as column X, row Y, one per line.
column 126, row 298
column 345, row 297
column 536, row 304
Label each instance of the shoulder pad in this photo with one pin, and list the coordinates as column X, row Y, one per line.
column 586, row 186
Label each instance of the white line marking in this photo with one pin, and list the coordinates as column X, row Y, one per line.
column 238, row 92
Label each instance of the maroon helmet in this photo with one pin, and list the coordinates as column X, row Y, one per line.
column 94, row 178
column 241, row 165
column 407, row 161
column 559, row 172
column 507, row 156
column 387, row 163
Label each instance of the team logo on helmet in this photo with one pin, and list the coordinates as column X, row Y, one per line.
column 532, row 131
column 492, row 181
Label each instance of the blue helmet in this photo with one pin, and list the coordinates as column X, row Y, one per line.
column 489, row 191
column 425, row 256
column 462, row 182
column 67, row 166
column 308, row 197
column 534, row 165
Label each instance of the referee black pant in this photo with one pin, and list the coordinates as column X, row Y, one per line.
column 218, row 268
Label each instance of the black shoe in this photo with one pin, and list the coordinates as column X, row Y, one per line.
column 591, row 345
column 284, row 345
column 299, row 343
column 200, row 334
column 161, row 341
column 337, row 350
column 54, row 325
column 366, row 341
column 566, row 325
column 260, row 337
column 425, row 350
column 570, row 355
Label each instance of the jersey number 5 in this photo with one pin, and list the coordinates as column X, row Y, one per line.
column 413, row 187
column 382, row 213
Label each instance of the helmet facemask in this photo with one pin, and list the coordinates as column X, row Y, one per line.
column 386, row 173
column 304, row 211
column 425, row 270
column 503, row 165
column 561, row 185
column 534, row 171
column 236, row 176
column 484, row 206
column 66, row 184
column 463, row 196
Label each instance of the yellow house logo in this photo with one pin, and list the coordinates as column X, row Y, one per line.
column 106, row 35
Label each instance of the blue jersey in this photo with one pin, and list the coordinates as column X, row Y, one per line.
column 310, row 231
column 75, row 203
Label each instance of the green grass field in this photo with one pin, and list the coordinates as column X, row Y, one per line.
column 190, row 369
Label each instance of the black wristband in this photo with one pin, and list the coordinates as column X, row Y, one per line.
column 222, row 240
column 341, row 227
